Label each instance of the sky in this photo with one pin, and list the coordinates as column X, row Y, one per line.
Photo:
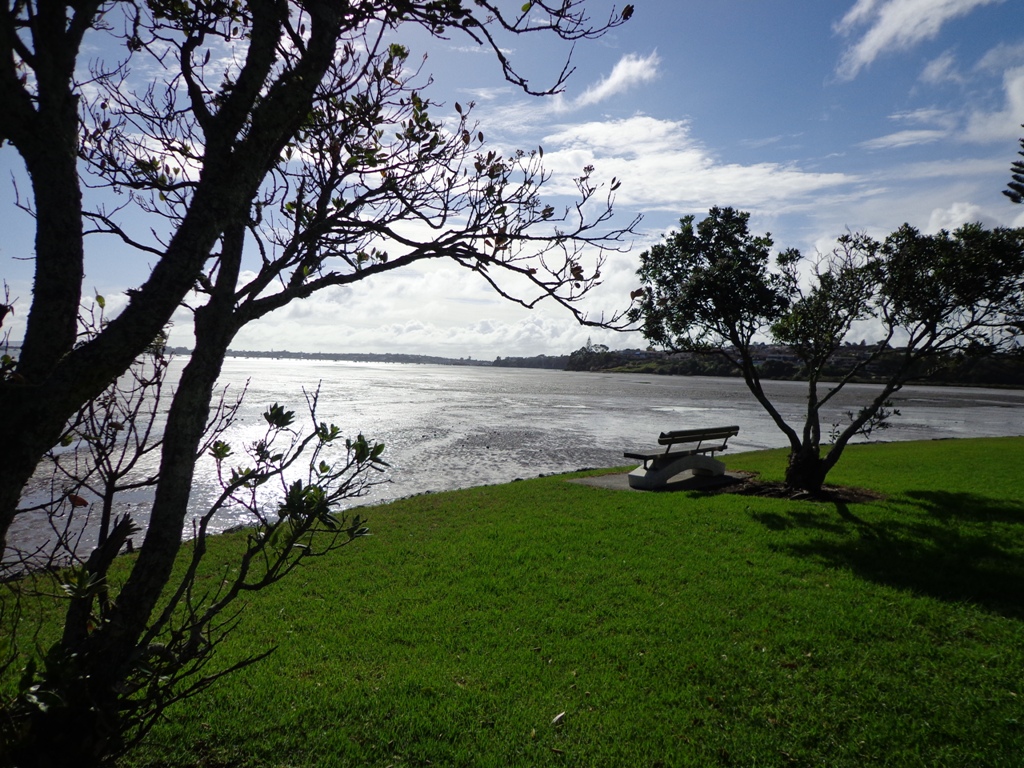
column 817, row 118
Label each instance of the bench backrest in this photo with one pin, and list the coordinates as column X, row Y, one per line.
column 697, row 435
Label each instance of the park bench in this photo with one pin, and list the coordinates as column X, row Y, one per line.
column 660, row 466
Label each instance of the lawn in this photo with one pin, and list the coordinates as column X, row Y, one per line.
column 548, row 623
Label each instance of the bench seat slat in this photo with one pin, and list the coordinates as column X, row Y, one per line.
column 696, row 435
column 668, row 455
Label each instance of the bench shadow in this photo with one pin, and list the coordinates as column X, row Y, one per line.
column 939, row 544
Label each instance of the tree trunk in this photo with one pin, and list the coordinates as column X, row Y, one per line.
column 186, row 422
column 88, row 727
column 75, row 734
column 27, row 432
column 806, row 470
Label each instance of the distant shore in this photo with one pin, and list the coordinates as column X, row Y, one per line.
column 1005, row 372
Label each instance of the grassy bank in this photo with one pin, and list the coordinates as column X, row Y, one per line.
column 670, row 629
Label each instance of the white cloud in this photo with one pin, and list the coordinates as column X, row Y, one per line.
column 861, row 11
column 439, row 328
column 1002, row 57
column 480, row 49
column 926, row 115
column 487, row 94
column 769, row 141
column 904, row 139
column 942, row 70
column 1003, row 125
column 957, row 215
column 929, row 196
column 631, row 70
column 661, row 166
column 895, row 25
column 976, row 126
column 975, row 169
column 522, row 117
column 436, row 308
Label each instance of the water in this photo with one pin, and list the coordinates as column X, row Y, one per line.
column 449, row 427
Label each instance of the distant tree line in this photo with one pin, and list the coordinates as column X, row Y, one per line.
column 679, row 365
column 1004, row 370
column 597, row 357
column 556, row 362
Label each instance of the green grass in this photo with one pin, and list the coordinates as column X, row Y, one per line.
column 671, row 629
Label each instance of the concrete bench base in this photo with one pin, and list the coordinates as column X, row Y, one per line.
column 660, row 471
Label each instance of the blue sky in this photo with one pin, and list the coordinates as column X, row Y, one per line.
column 816, row 117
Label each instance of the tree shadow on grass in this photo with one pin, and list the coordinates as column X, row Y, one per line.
column 968, row 507
column 951, row 546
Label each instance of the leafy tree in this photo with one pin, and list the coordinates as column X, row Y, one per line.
column 288, row 148
column 713, row 287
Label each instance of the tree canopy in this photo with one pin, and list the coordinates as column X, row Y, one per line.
column 714, row 287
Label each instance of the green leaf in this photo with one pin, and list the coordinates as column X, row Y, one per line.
column 526, row 7
column 220, row 450
column 81, row 584
column 277, row 416
column 101, row 301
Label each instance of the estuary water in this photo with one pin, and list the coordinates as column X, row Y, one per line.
column 448, row 427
